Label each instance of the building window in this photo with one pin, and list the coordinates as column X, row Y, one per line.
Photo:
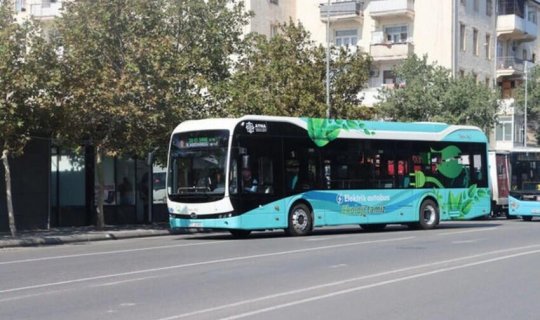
column 463, row 2
column 488, row 82
column 461, row 73
column 476, row 5
column 389, row 77
column 531, row 15
column 274, row 29
column 489, row 8
column 525, row 55
column 125, row 184
column 487, row 46
column 346, row 37
column 159, row 194
column 475, row 42
column 20, row 5
column 474, row 76
column 397, row 34
column 274, row 2
column 503, row 130
column 462, row 37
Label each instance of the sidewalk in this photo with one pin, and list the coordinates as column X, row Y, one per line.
column 83, row 234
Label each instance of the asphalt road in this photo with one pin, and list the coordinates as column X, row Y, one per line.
column 467, row 270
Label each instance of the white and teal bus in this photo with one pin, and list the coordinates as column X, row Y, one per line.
column 524, row 182
column 264, row 172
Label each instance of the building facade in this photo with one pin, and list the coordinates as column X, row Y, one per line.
column 494, row 40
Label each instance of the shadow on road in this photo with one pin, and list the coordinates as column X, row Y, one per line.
column 350, row 229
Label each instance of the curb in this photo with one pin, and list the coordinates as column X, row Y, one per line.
column 97, row 236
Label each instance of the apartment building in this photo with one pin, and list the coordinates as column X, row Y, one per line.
column 517, row 51
column 44, row 10
column 493, row 40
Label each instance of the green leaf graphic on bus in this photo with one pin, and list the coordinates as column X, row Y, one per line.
column 322, row 131
column 449, row 166
column 461, row 203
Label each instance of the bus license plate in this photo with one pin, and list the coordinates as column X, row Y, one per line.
column 195, row 225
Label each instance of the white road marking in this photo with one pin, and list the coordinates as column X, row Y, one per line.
column 123, row 281
column 468, row 231
column 377, row 284
column 466, row 241
column 350, row 280
column 195, row 264
column 338, row 266
column 113, row 252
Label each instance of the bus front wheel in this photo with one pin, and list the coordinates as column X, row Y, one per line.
column 429, row 215
column 300, row 220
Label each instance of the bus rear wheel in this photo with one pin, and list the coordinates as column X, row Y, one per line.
column 239, row 233
column 428, row 215
column 300, row 220
column 526, row 218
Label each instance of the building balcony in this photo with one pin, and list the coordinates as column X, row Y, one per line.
column 514, row 27
column 44, row 11
column 342, row 11
column 510, row 66
column 391, row 51
column 391, row 9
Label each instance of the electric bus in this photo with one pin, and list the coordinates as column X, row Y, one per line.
column 524, row 176
column 265, row 172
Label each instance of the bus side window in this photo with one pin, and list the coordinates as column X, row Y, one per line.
column 265, row 175
column 327, row 174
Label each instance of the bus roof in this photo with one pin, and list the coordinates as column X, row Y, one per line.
column 422, row 131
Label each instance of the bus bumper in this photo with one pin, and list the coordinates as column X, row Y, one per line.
column 222, row 223
column 524, row 207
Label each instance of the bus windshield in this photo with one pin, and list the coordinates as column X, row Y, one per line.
column 197, row 166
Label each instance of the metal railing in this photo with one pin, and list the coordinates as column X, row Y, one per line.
column 516, row 7
column 342, row 8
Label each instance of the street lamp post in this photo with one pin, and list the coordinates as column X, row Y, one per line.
column 328, row 60
column 525, row 106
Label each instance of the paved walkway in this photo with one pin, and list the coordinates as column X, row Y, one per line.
column 82, row 234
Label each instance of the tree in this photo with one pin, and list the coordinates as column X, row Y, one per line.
column 134, row 69
column 285, row 75
column 426, row 92
column 469, row 102
column 24, row 100
column 418, row 94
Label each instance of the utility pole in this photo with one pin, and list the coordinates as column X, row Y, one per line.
column 328, row 107
column 525, row 105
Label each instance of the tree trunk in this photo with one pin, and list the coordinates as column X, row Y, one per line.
column 9, row 198
column 100, row 216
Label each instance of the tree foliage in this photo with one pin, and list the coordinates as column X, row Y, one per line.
column 285, row 75
column 427, row 92
column 133, row 69
column 26, row 71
